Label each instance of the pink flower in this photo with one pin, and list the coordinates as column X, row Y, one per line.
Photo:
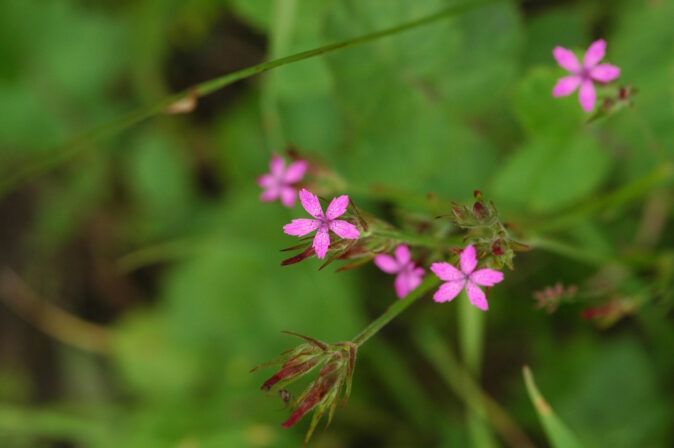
column 408, row 275
column 584, row 75
column 278, row 182
column 467, row 277
column 322, row 222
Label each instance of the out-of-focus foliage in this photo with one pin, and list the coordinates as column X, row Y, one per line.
column 458, row 105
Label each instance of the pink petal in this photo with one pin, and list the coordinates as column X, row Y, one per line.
column 468, row 260
column 476, row 296
column 295, row 172
column 448, row 291
column 406, row 282
column 300, row 227
column 447, row 272
column 402, row 253
column 344, row 229
column 311, row 203
column 386, row 263
column 337, row 207
column 605, row 72
column 276, row 166
column 266, row 181
column 288, row 196
column 270, row 194
column 587, row 95
column 595, row 53
column 321, row 242
column 486, row 277
column 566, row 59
column 566, row 85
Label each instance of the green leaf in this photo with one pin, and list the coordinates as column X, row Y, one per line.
column 558, row 434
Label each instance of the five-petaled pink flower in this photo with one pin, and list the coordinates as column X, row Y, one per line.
column 322, row 222
column 278, row 182
column 467, row 277
column 584, row 75
column 408, row 275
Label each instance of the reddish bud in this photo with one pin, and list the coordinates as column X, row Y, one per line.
column 496, row 248
column 479, row 210
column 477, row 193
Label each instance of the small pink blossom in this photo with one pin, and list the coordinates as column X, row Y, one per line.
column 584, row 75
column 278, row 182
column 322, row 222
column 408, row 276
column 467, row 277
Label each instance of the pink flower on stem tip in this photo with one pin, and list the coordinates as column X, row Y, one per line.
column 583, row 75
column 467, row 277
column 322, row 222
column 408, row 276
column 278, row 182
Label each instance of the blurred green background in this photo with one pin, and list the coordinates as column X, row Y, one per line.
column 461, row 104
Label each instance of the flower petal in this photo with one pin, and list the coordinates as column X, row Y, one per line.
column 566, row 59
column 270, row 194
column 337, row 207
column 321, row 242
column 344, row 229
column 448, row 291
column 447, row 272
column 266, row 181
column 605, row 72
column 300, row 227
column 468, row 260
column 402, row 253
column 587, row 95
column 566, row 85
column 276, row 166
column 311, row 203
column 595, row 53
column 288, row 196
column 486, row 277
column 406, row 282
column 295, row 171
column 386, row 263
column 476, row 296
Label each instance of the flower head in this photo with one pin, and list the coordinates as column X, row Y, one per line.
column 408, row 276
column 466, row 277
column 322, row 222
column 278, row 182
column 583, row 75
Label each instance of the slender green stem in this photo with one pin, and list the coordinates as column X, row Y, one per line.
column 53, row 158
column 398, row 307
column 419, row 240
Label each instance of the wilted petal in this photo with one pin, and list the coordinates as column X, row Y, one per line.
column 386, row 263
column 566, row 85
column 486, row 277
column 266, row 180
column 321, row 242
column 344, row 229
column 587, row 95
column 276, row 166
column 295, row 172
column 337, row 207
column 468, row 260
column 566, row 59
column 288, row 196
column 300, row 227
column 448, row 291
column 311, row 203
column 476, row 296
column 605, row 72
column 595, row 53
column 402, row 253
column 446, row 272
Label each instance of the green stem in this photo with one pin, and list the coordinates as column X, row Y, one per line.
column 398, row 307
column 419, row 240
column 54, row 157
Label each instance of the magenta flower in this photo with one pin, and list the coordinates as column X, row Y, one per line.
column 584, row 75
column 322, row 222
column 467, row 277
column 408, row 275
column 278, row 182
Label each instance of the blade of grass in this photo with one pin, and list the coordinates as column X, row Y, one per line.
column 558, row 434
